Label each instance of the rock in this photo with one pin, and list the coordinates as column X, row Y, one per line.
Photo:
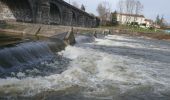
column 70, row 38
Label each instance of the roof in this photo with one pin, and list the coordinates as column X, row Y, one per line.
column 148, row 20
column 134, row 15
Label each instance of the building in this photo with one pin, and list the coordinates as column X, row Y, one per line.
column 149, row 23
column 156, row 26
column 129, row 18
column 123, row 18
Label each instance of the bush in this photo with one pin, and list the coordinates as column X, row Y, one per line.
column 151, row 28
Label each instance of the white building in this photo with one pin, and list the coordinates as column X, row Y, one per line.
column 129, row 18
column 149, row 23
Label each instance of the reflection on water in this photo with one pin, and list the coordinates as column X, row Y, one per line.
column 113, row 68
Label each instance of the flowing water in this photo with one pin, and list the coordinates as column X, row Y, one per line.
column 168, row 31
column 27, row 58
column 110, row 68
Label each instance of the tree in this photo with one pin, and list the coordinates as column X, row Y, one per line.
column 162, row 21
column 75, row 4
column 158, row 20
column 130, row 7
column 120, row 7
column 101, row 10
column 104, row 11
column 114, row 18
column 83, row 8
column 138, row 8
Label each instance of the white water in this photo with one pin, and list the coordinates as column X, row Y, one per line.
column 114, row 68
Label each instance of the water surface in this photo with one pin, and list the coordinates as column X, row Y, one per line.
column 110, row 68
column 168, row 31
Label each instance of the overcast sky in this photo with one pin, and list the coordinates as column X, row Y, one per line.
column 151, row 7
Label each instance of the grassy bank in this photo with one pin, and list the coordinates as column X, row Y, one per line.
column 134, row 31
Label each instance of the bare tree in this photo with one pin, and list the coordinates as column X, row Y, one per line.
column 138, row 8
column 130, row 7
column 75, row 4
column 120, row 7
column 104, row 11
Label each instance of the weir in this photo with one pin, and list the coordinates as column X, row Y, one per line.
column 23, row 54
column 28, row 55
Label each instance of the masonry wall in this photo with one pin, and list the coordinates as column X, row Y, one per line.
column 15, row 11
column 55, row 12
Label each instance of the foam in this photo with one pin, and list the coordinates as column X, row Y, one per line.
column 100, row 73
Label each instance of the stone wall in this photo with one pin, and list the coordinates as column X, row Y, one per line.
column 45, row 11
column 16, row 11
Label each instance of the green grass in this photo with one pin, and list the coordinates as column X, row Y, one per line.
column 133, row 29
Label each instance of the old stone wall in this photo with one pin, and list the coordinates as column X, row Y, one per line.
column 55, row 12
column 16, row 11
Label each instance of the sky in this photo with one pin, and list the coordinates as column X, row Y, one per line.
column 151, row 7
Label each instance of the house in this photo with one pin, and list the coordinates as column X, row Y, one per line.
column 129, row 18
column 156, row 26
column 123, row 18
column 149, row 23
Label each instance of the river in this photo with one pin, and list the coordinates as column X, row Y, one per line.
column 168, row 31
column 110, row 68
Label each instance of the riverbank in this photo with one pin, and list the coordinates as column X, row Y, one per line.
column 139, row 32
column 40, row 30
column 159, row 36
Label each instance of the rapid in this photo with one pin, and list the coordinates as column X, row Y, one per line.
column 110, row 68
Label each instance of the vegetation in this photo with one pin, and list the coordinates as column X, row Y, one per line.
column 104, row 11
column 130, row 7
column 133, row 29
column 114, row 19
column 133, row 7
column 83, row 8
column 160, row 21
